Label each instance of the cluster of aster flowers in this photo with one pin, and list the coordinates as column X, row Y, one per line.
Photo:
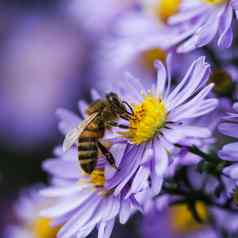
column 173, row 65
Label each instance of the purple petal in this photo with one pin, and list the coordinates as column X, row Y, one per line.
column 229, row 129
column 209, row 30
column 226, row 34
column 161, row 78
column 130, row 162
column 67, row 169
column 125, row 212
column 67, row 204
column 80, row 219
column 161, row 159
column 231, row 171
column 105, row 229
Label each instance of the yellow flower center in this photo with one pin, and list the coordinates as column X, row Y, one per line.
column 164, row 9
column 182, row 220
column 97, row 178
column 215, row 2
column 149, row 56
column 148, row 118
column 42, row 228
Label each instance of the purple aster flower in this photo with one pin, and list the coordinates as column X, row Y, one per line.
column 28, row 223
column 203, row 21
column 175, row 222
column 81, row 200
column 178, row 220
column 146, row 31
column 140, row 36
column 161, row 118
column 229, row 152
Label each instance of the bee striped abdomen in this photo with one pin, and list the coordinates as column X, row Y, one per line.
column 87, row 147
column 87, row 155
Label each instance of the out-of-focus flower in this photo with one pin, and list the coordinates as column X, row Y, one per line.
column 229, row 152
column 126, row 55
column 96, row 18
column 38, row 69
column 160, row 120
column 28, row 223
column 139, row 37
column 205, row 20
column 180, row 220
column 224, row 85
column 225, row 77
column 175, row 222
column 231, row 227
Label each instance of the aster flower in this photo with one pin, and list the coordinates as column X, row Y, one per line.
column 169, row 217
column 28, row 223
column 160, row 119
column 174, row 222
column 147, row 22
column 81, row 200
column 229, row 152
column 208, row 207
column 84, row 201
column 205, row 21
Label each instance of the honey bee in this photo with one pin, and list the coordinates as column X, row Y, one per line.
column 102, row 115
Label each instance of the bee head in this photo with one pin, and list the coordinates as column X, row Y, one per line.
column 118, row 106
column 115, row 102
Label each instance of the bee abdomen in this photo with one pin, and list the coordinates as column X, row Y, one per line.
column 84, row 139
column 87, row 154
column 83, row 155
column 88, row 166
column 87, row 147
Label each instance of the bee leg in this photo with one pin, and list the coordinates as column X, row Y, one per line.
column 115, row 124
column 130, row 108
column 108, row 155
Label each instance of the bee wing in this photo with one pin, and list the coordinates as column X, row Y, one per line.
column 73, row 135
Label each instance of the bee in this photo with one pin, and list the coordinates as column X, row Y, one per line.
column 102, row 115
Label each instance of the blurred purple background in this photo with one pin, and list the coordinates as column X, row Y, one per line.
column 48, row 51
column 43, row 63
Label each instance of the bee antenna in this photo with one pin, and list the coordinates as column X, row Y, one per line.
column 129, row 106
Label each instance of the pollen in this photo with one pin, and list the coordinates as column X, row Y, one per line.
column 215, row 2
column 147, row 120
column 164, row 9
column 97, row 178
column 43, row 229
